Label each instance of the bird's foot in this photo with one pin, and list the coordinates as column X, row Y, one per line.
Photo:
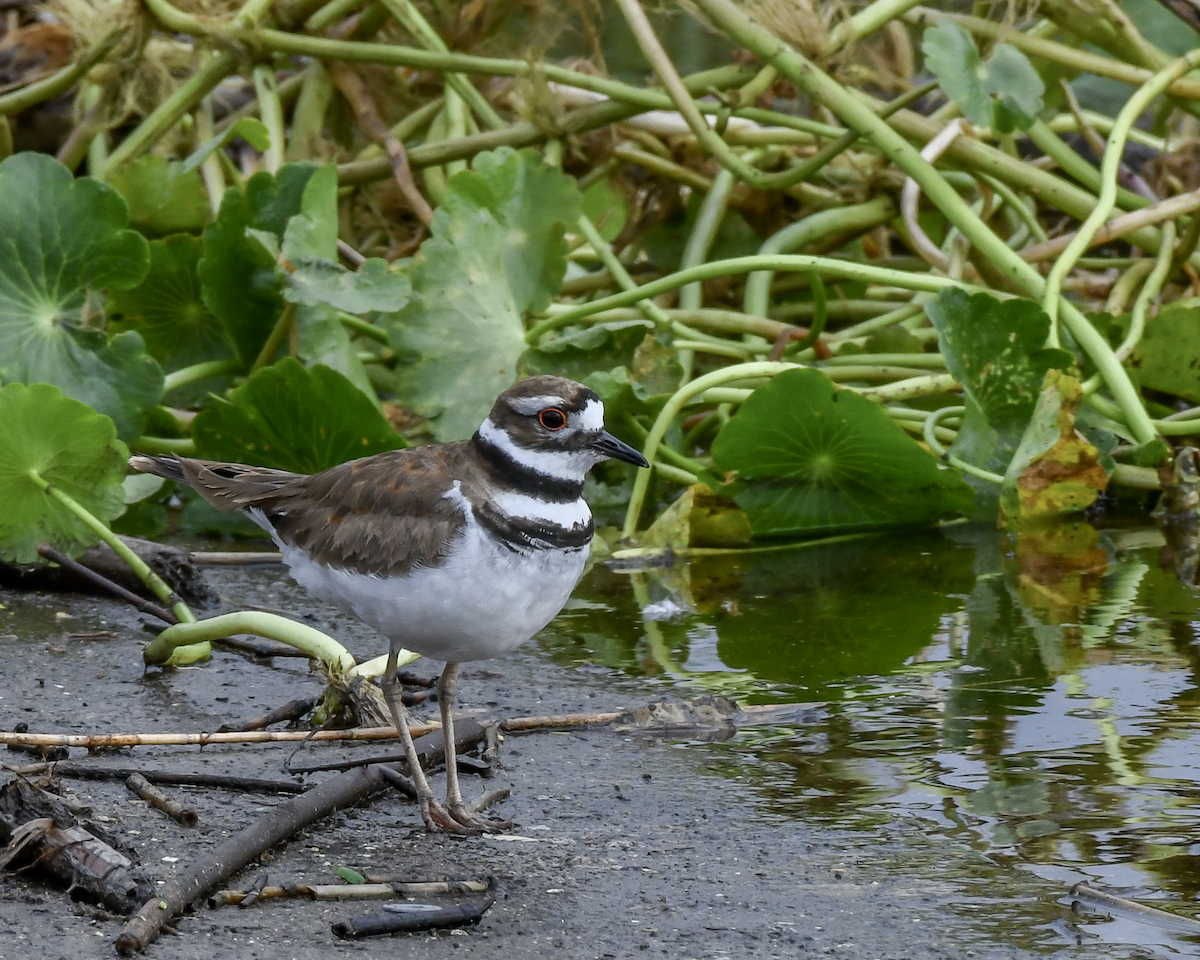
column 437, row 818
column 475, row 823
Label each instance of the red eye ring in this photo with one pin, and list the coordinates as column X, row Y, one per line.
column 552, row 418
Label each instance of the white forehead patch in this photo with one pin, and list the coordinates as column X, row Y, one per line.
column 529, row 406
column 591, row 419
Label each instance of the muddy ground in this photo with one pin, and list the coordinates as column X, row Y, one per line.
column 625, row 846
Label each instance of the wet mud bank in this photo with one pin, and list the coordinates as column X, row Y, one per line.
column 624, row 846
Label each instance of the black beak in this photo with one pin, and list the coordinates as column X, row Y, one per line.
column 610, row 446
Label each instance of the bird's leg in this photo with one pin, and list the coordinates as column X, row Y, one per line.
column 433, row 813
column 447, row 689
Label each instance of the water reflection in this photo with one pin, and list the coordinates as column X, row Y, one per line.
column 1030, row 704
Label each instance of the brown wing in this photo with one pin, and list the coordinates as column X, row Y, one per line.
column 379, row 515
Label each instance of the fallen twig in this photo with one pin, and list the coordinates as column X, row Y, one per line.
column 1134, row 910
column 292, row 710
column 86, row 771
column 359, row 98
column 102, row 740
column 411, row 917
column 379, row 890
column 236, row 558
column 99, row 580
column 179, row 812
column 244, row 846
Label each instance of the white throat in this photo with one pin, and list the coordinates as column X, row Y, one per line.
column 568, row 465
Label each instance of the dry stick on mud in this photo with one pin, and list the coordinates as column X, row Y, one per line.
column 177, row 811
column 373, row 890
column 285, row 820
column 359, row 98
column 88, row 771
column 292, row 710
column 99, row 580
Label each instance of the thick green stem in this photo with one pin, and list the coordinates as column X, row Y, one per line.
column 526, row 134
column 271, row 112
column 741, row 371
column 184, row 446
column 316, row 644
column 644, row 34
column 169, row 112
column 704, row 232
column 648, row 308
column 865, row 22
column 136, row 563
column 857, row 115
column 848, row 220
column 60, row 81
column 411, row 19
column 198, row 371
column 826, row 266
column 1109, row 167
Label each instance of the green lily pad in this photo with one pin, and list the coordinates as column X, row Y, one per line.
column 168, row 311
column 1003, row 92
column 237, row 274
column 65, row 241
column 292, row 418
column 806, row 457
column 68, row 445
column 163, row 197
column 497, row 249
column 996, row 350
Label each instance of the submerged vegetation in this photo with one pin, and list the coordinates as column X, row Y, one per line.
column 873, row 267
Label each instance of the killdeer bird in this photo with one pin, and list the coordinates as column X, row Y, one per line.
column 459, row 551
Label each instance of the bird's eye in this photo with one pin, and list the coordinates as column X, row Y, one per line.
column 552, row 418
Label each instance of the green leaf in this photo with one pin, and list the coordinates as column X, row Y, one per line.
column 807, row 457
column 996, row 350
column 1004, row 92
column 237, row 274
column 497, row 249
column 250, row 129
column 1167, row 358
column 291, row 418
column 65, row 240
column 321, row 339
column 370, row 288
column 67, row 444
column 578, row 353
column 533, row 203
column 163, row 197
column 461, row 328
column 168, row 310
column 312, row 233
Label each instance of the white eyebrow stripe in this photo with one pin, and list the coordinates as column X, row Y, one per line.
column 570, row 466
column 591, row 420
column 531, row 405
column 565, row 515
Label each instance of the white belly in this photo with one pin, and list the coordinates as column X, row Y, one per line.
column 484, row 600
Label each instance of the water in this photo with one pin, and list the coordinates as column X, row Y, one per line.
column 1026, row 711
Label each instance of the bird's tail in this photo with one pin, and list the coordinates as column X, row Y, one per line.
column 227, row 486
column 169, row 467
